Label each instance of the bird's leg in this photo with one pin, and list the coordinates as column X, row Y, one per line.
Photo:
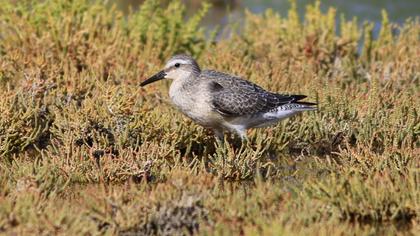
column 219, row 135
column 220, row 143
column 243, row 136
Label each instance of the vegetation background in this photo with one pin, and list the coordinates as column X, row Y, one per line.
column 84, row 150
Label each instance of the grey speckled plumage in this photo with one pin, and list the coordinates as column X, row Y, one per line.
column 223, row 102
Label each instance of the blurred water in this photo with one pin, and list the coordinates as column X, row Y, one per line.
column 224, row 11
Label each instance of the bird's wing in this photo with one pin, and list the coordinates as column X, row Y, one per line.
column 233, row 96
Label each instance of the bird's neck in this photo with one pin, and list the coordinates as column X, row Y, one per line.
column 180, row 85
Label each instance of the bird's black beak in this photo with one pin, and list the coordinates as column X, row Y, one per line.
column 154, row 78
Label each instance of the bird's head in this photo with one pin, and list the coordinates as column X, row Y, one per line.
column 178, row 67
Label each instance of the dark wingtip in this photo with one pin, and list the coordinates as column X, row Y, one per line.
column 298, row 97
column 307, row 103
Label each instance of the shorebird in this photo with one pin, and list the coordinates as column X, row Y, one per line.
column 224, row 102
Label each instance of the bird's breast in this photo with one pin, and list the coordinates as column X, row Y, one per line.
column 195, row 103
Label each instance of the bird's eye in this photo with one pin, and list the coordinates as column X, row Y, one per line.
column 177, row 65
